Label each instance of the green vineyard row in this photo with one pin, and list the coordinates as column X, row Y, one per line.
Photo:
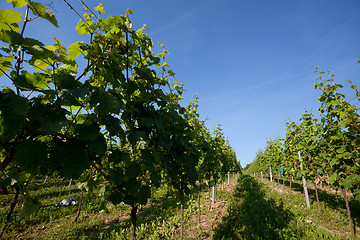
column 115, row 125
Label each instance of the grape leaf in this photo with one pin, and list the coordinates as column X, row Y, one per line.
column 87, row 131
column 51, row 118
column 13, row 110
column 112, row 124
column 347, row 182
column 27, row 158
column 97, row 147
column 9, row 19
column 29, row 207
column 105, row 101
column 66, row 81
column 43, row 12
column 18, row 3
column 5, row 63
column 74, row 50
column 100, row 8
column 69, row 158
column 29, row 81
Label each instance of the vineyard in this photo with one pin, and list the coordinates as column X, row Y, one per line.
column 96, row 143
column 160, row 218
column 104, row 113
column 234, row 214
column 321, row 151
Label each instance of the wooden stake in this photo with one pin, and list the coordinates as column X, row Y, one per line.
column 79, row 209
column 12, row 206
column 351, row 224
column 304, row 183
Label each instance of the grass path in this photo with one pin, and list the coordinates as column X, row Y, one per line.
column 159, row 219
column 249, row 209
column 257, row 211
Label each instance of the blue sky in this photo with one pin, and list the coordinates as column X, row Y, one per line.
column 250, row 62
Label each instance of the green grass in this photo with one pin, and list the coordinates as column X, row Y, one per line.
column 159, row 219
column 258, row 212
column 255, row 211
column 53, row 222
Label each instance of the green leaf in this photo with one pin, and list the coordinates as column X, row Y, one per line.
column 29, row 81
column 347, row 182
column 13, row 110
column 133, row 170
column 43, row 12
column 356, row 193
column 74, row 50
column 64, row 80
column 87, row 131
column 83, row 186
column 11, row 37
column 145, row 73
column 38, row 80
column 29, row 207
column 17, row 3
column 69, row 158
column 113, row 125
column 118, row 156
column 143, row 195
column 100, row 8
column 5, row 63
column 339, row 85
column 341, row 150
column 97, row 147
column 105, row 102
column 333, row 178
column 17, row 177
column 117, row 176
column 28, row 159
column 84, row 27
column 336, row 137
column 333, row 162
column 41, row 56
column 4, row 180
column 9, row 19
column 41, row 64
column 116, row 197
column 147, row 121
column 54, row 120
column 128, row 24
column 51, row 118
column 136, row 135
column 346, row 155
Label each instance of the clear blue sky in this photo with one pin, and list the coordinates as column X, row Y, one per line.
column 250, row 62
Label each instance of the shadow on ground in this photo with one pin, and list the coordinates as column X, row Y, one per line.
column 332, row 200
column 251, row 214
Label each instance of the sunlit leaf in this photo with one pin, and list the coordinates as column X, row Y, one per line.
column 43, row 12
column 74, row 50
column 18, row 3
column 83, row 27
column 6, row 63
column 100, row 8
column 9, row 20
